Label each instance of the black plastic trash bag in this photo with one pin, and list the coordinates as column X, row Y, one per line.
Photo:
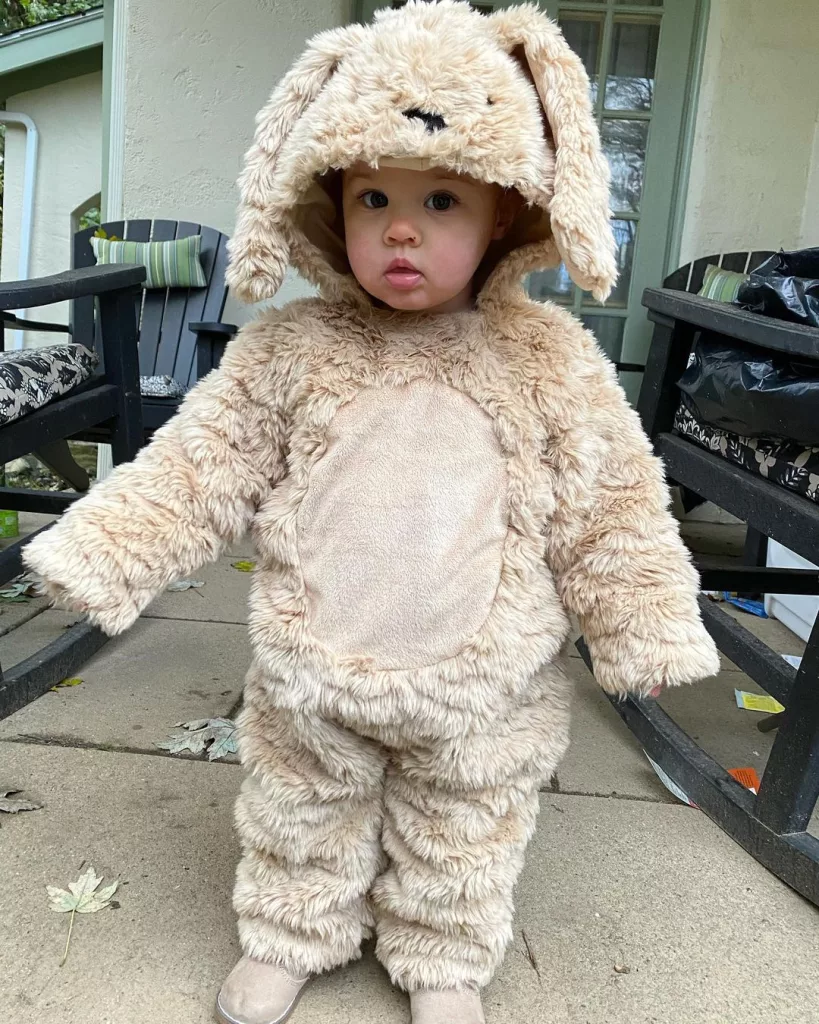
column 785, row 286
column 747, row 391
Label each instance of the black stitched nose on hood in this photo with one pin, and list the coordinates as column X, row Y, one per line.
column 432, row 122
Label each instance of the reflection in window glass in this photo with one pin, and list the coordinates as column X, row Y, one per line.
column 630, row 78
column 551, row 286
column 624, row 143
column 583, row 33
column 609, row 333
column 625, row 234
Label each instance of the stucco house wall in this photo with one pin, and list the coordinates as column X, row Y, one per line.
column 754, row 178
column 195, row 79
column 69, row 120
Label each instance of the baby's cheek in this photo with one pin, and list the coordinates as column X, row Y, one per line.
column 362, row 256
column 456, row 261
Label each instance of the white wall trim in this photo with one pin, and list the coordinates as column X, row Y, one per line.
column 114, row 198
column 115, row 157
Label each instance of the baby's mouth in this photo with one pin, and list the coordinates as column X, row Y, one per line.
column 403, row 275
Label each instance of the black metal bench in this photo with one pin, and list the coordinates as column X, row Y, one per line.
column 772, row 826
column 110, row 400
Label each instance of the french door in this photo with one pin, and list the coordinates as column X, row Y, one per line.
column 639, row 58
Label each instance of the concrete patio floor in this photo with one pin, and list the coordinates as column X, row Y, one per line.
column 632, row 908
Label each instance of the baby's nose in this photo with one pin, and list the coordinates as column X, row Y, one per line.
column 432, row 122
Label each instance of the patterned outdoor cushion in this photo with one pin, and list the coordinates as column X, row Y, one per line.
column 721, row 285
column 786, row 463
column 169, row 264
column 31, row 378
column 160, row 387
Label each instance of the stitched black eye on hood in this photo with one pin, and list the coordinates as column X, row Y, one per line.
column 432, row 122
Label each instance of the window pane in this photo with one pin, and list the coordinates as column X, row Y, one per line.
column 609, row 333
column 583, row 33
column 551, row 286
column 641, row 3
column 630, row 80
column 624, row 143
column 625, row 233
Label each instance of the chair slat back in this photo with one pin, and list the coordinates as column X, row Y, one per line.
column 689, row 278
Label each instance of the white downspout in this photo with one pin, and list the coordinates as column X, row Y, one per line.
column 27, row 221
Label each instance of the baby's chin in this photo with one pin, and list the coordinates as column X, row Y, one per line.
column 421, row 301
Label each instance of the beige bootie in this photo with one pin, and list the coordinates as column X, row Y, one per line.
column 258, row 993
column 446, row 1007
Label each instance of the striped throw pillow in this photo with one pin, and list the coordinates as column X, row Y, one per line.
column 169, row 264
column 721, row 285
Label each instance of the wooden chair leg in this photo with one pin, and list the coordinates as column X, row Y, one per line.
column 58, row 458
column 790, row 782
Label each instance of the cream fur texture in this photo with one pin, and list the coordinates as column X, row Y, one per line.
column 401, row 799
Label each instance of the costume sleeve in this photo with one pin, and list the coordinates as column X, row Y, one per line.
column 619, row 562
column 190, row 492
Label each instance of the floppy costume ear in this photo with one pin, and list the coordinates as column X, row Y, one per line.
column 579, row 207
column 259, row 250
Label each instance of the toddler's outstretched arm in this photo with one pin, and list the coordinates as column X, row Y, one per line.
column 616, row 551
column 189, row 493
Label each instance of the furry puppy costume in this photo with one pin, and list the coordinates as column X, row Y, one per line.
column 430, row 497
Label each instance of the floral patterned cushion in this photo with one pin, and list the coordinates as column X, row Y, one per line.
column 786, row 463
column 31, row 378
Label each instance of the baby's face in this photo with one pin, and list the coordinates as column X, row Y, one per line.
column 415, row 238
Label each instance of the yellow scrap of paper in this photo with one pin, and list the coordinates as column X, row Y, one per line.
column 758, row 702
column 244, row 566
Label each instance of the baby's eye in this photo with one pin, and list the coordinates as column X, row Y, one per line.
column 373, row 199
column 441, row 201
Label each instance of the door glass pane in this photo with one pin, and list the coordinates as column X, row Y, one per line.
column 609, row 333
column 630, row 79
column 625, row 235
column 551, row 285
column 624, row 143
column 584, row 33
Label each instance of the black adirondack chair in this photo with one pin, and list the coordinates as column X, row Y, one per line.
column 109, row 397
column 180, row 330
column 772, row 825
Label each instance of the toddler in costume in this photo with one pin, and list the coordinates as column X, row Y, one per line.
column 436, row 470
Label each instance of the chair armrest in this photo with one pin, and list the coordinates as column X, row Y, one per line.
column 12, row 320
column 225, row 331
column 211, row 342
column 71, row 284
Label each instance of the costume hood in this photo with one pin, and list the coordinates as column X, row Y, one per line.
column 501, row 98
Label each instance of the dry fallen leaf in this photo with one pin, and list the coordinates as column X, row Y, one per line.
column 180, row 585
column 21, row 590
column 244, row 566
column 83, row 898
column 11, row 803
column 218, row 732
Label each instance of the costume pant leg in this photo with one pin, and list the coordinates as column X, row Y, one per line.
column 458, row 816
column 309, row 820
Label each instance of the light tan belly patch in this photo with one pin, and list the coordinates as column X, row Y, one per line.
column 402, row 528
